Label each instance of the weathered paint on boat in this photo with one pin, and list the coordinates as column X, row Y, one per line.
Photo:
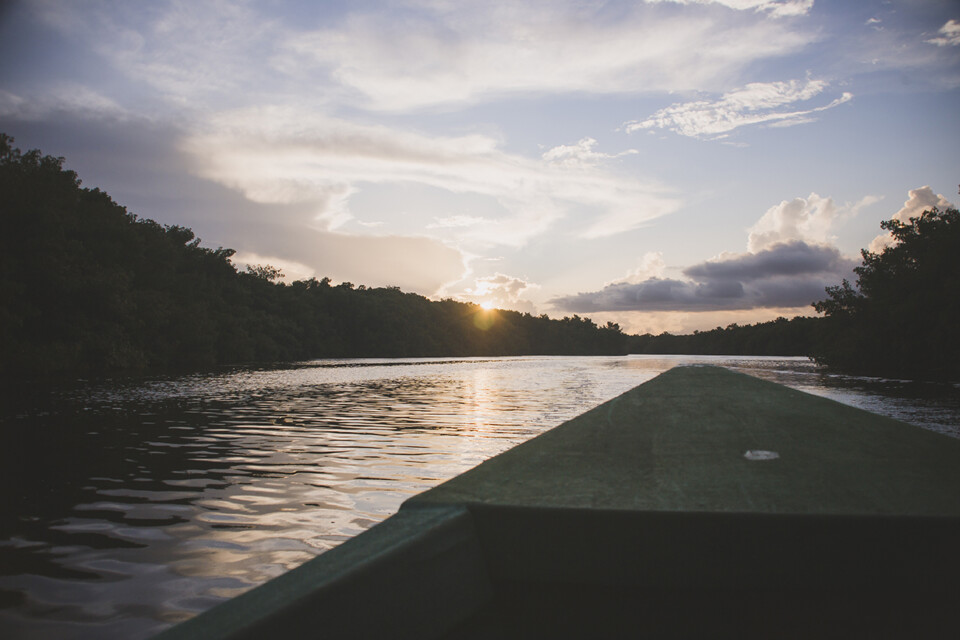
column 702, row 503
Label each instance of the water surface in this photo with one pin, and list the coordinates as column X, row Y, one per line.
column 131, row 504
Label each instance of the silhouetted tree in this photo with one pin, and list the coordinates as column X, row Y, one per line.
column 902, row 317
column 266, row 272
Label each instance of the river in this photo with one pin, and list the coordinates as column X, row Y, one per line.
column 131, row 504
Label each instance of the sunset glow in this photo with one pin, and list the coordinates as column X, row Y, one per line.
column 667, row 165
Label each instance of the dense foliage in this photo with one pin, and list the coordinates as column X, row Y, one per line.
column 87, row 286
column 901, row 318
column 780, row 337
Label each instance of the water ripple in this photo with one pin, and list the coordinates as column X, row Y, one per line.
column 137, row 503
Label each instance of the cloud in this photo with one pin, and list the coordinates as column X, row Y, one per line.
column 291, row 270
column 414, row 264
column 456, row 222
column 442, row 53
column 581, row 155
column 268, row 235
column 949, row 35
column 141, row 167
column 789, row 262
column 787, row 275
column 795, row 258
column 801, row 218
column 652, row 266
column 918, row 201
column 655, row 294
column 776, row 8
column 289, row 155
column 756, row 103
column 417, row 264
column 808, row 219
column 397, row 55
column 502, row 291
column 898, row 41
column 191, row 52
column 64, row 98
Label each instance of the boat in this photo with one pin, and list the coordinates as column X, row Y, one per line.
column 702, row 503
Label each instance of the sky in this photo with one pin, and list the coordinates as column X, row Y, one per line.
column 669, row 165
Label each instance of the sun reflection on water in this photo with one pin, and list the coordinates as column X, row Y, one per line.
column 149, row 501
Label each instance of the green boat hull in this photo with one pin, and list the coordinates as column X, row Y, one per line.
column 702, row 503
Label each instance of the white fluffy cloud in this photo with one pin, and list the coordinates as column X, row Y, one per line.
column 809, row 220
column 949, row 35
column 652, row 266
column 918, row 201
column 756, row 103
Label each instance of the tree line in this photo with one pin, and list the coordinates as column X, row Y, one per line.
column 89, row 287
column 781, row 337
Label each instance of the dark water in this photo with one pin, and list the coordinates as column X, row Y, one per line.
column 129, row 505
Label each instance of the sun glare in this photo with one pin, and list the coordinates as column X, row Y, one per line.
column 486, row 305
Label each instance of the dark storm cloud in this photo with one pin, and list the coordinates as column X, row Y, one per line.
column 657, row 294
column 791, row 274
column 794, row 258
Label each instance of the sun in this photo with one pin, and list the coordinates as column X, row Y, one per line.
column 486, row 305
